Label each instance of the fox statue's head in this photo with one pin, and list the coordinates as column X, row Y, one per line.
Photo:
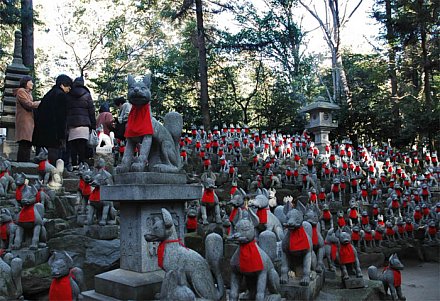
column 139, row 91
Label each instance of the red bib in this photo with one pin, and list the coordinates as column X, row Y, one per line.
column 42, row 165
column 87, row 189
column 390, row 231
column 233, row 190
column 250, row 258
column 18, row 193
column 377, row 235
column 60, row 289
column 353, row 213
column 139, row 122
column 355, row 236
column 4, row 231
column 409, row 227
column 333, row 251
column 95, row 196
column 417, row 215
column 397, row 276
column 314, row 235
column 326, row 215
column 38, row 197
column 233, row 214
column 191, row 223
column 341, row 222
column 432, row 230
column 262, row 215
column 298, row 240
column 208, row 196
column 346, row 254
column 27, row 214
column 365, row 220
column 368, row 236
column 161, row 250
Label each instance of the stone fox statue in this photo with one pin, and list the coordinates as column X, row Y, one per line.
column 67, row 280
column 252, row 263
column 159, row 143
column 390, row 277
column 199, row 272
column 10, row 277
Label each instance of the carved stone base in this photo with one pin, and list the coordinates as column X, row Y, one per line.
column 32, row 258
column 106, row 232
column 294, row 291
column 353, row 283
column 125, row 285
column 330, row 274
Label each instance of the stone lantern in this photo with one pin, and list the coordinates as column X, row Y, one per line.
column 321, row 120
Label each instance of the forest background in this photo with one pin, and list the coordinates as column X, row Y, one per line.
column 247, row 62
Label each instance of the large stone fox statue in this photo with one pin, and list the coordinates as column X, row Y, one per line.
column 199, row 273
column 159, row 143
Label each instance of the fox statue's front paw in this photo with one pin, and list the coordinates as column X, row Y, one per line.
column 138, row 167
column 122, row 169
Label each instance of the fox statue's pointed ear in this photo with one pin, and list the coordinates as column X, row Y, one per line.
column 167, row 218
column 147, row 80
column 130, row 80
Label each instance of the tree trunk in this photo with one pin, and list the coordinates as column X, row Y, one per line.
column 344, row 81
column 27, row 29
column 203, row 66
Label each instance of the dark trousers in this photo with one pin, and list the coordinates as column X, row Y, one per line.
column 24, row 151
column 53, row 155
column 78, row 150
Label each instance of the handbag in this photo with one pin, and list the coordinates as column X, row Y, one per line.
column 93, row 139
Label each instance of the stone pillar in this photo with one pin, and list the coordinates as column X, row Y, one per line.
column 14, row 72
column 321, row 139
column 141, row 197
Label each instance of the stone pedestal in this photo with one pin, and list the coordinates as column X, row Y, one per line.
column 294, row 291
column 32, row 258
column 353, row 282
column 141, row 197
column 107, row 232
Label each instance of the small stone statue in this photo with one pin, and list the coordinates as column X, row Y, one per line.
column 210, row 203
column 347, row 255
column 6, row 181
column 390, row 277
column 172, row 255
column 251, row 262
column 312, row 216
column 67, row 280
column 7, row 229
column 10, row 277
column 297, row 243
column 103, row 210
column 50, row 175
column 84, row 186
column 31, row 217
column 159, row 143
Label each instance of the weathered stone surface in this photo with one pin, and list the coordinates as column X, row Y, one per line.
column 367, row 259
column 152, row 192
column 294, row 291
column 431, row 253
column 149, row 178
column 127, row 285
column 71, row 184
column 106, row 232
column 92, row 255
column 353, row 283
column 32, row 258
column 65, row 206
column 333, row 291
column 54, row 226
column 36, row 281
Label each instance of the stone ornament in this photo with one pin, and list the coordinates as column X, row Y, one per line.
column 10, row 277
column 159, row 151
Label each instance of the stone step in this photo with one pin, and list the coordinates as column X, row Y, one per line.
column 7, row 121
column 94, row 296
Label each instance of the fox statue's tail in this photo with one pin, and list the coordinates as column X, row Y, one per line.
column 173, row 122
column 374, row 274
column 214, row 254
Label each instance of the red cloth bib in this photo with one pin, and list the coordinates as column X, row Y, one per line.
column 395, row 204
column 390, row 231
column 233, row 190
column 27, row 214
column 313, row 197
column 233, row 214
column 250, row 258
column 341, row 222
column 378, row 235
column 4, row 231
column 335, row 188
column 353, row 213
column 298, row 240
column 397, row 276
column 355, row 236
column 139, row 122
column 161, row 250
column 262, row 215
column 417, row 215
column 365, row 220
column 409, row 227
column 42, row 165
column 38, row 197
column 95, row 196
column 191, row 223
column 432, row 230
column 368, row 236
column 333, row 251
column 346, row 254
column 314, row 235
column 18, row 193
column 87, row 189
column 60, row 289
column 326, row 215
column 208, row 196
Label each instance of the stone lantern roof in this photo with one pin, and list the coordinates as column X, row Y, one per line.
column 320, row 104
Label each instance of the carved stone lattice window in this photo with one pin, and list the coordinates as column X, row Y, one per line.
column 326, row 116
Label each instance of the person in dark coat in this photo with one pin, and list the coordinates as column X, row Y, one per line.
column 80, row 120
column 50, row 119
